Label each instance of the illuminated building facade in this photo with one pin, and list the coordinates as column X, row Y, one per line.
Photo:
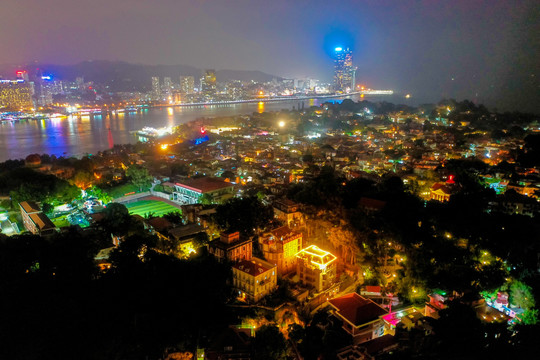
column 208, row 82
column 344, row 72
column 231, row 247
column 22, row 75
column 190, row 191
column 187, row 84
column 167, row 84
column 442, row 191
column 156, row 90
column 280, row 247
column 316, row 267
column 47, row 88
column 16, row 94
column 254, row 279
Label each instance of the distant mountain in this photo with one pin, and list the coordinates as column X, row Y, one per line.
column 123, row 76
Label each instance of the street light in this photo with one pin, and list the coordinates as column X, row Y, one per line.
column 281, row 124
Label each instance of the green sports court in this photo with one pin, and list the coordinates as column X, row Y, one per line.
column 156, row 207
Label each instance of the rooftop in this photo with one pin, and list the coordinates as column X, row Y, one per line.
column 159, row 223
column 42, row 221
column 30, row 207
column 183, row 231
column 283, row 233
column 442, row 188
column 254, row 266
column 316, row 256
column 356, row 309
column 204, row 184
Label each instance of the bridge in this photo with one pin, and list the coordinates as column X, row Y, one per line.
column 269, row 99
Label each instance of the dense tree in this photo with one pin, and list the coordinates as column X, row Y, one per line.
column 174, row 217
column 269, row 343
column 58, row 303
column 346, row 242
column 246, row 215
column 82, row 179
column 521, row 295
column 117, row 220
column 98, row 193
column 139, row 176
column 24, row 184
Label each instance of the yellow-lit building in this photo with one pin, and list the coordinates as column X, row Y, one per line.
column 316, row 267
column 440, row 192
column 254, row 279
column 16, row 94
column 187, row 84
column 280, row 247
column 208, row 82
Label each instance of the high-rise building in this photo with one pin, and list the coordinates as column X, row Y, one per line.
column 47, row 88
column 167, row 84
column 16, row 94
column 187, row 84
column 156, row 91
column 208, row 82
column 22, row 75
column 80, row 82
column 344, row 72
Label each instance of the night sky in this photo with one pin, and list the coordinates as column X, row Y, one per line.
column 487, row 51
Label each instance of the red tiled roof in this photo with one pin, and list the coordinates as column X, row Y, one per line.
column 357, row 309
column 253, row 267
column 204, row 184
column 284, row 233
column 159, row 223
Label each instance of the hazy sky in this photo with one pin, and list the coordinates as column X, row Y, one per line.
column 482, row 50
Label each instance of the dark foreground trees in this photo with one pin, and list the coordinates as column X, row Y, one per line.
column 57, row 305
column 246, row 215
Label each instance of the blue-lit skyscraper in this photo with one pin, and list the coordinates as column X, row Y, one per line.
column 344, row 72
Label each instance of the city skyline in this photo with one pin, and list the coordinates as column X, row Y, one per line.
column 480, row 51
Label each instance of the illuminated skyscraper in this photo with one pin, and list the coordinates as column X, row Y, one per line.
column 187, row 84
column 208, row 82
column 47, row 88
column 80, row 82
column 344, row 72
column 156, row 91
column 167, row 84
column 23, row 75
column 16, row 94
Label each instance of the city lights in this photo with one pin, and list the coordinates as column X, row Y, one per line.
column 201, row 180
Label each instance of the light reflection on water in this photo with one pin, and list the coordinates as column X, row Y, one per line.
column 75, row 136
